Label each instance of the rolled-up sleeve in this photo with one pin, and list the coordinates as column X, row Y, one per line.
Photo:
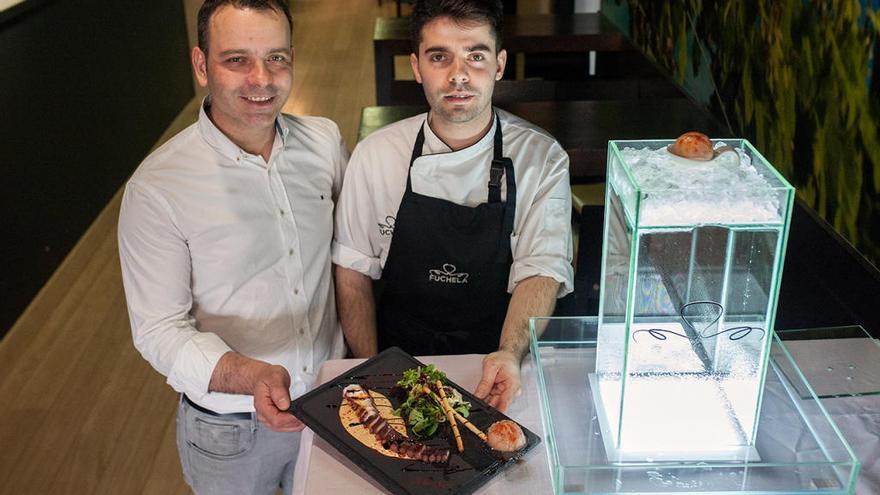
column 355, row 245
column 542, row 246
column 156, row 274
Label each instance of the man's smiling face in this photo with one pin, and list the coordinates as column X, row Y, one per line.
column 248, row 69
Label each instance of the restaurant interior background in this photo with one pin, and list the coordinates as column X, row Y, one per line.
column 88, row 87
column 799, row 79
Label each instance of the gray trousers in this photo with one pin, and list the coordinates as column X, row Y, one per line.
column 233, row 454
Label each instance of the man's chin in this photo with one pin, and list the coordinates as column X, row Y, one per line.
column 263, row 116
column 456, row 115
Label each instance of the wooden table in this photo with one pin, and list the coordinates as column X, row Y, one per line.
column 540, row 33
column 585, row 127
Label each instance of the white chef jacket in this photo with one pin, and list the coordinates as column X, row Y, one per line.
column 376, row 180
column 222, row 251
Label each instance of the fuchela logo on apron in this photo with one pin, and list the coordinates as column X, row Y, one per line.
column 387, row 228
column 447, row 275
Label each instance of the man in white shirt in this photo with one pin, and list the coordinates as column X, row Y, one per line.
column 463, row 213
column 224, row 239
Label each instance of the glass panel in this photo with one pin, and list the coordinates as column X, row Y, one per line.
column 617, row 267
column 836, row 361
column 799, row 450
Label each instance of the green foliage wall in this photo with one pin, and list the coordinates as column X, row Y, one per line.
column 793, row 77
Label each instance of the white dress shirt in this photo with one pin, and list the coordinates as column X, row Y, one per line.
column 376, row 179
column 222, row 251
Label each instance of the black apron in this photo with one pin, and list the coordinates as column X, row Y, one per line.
column 444, row 284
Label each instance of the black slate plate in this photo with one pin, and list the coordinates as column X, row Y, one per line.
column 463, row 474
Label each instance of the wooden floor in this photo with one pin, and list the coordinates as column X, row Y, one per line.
column 80, row 410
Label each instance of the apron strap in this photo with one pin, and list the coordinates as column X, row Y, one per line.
column 510, row 204
column 416, row 152
column 498, row 167
column 502, row 166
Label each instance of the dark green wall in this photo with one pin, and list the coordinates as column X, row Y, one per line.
column 795, row 78
column 86, row 88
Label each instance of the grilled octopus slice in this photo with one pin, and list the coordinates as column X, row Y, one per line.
column 360, row 400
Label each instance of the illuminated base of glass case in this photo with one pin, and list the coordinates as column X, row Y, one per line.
column 799, row 449
column 653, row 433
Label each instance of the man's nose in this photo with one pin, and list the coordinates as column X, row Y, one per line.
column 458, row 73
column 259, row 74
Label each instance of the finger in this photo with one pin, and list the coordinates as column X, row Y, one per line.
column 484, row 387
column 286, row 428
column 283, row 421
column 264, row 407
column 288, row 425
column 280, row 398
column 487, row 380
column 503, row 402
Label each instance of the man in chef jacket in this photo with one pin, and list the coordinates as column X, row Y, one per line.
column 462, row 214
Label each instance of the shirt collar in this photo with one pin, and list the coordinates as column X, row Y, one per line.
column 220, row 142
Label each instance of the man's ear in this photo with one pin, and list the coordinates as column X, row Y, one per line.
column 414, row 62
column 200, row 67
column 502, row 62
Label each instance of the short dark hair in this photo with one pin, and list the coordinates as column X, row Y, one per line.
column 461, row 11
column 210, row 6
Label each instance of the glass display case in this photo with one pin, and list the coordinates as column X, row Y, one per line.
column 691, row 263
column 797, row 447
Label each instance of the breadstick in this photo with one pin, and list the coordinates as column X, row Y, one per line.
column 448, row 410
column 450, row 415
column 470, row 426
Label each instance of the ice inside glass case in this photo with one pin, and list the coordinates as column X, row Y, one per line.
column 691, row 264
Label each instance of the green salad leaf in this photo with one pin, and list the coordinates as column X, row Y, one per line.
column 422, row 412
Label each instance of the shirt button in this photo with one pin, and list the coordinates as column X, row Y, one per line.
column 302, row 332
column 290, row 252
column 296, row 291
column 305, row 369
column 282, row 213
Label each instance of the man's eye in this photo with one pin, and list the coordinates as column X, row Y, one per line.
column 478, row 57
column 277, row 58
column 235, row 60
column 437, row 57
